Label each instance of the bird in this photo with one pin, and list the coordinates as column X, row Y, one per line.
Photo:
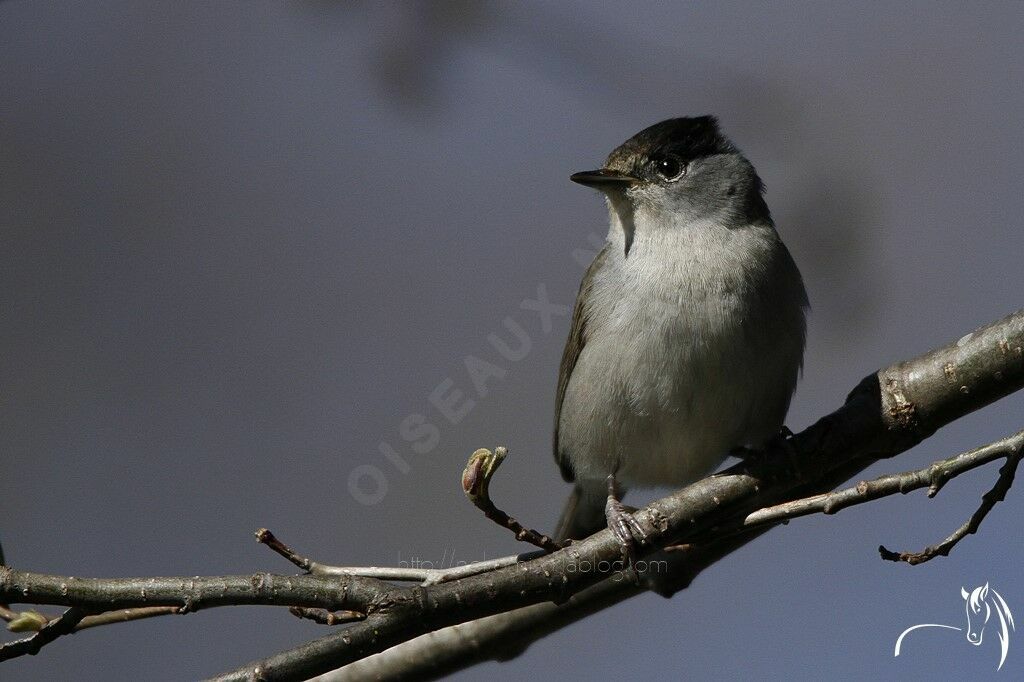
column 687, row 336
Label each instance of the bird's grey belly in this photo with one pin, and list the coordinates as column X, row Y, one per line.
column 659, row 403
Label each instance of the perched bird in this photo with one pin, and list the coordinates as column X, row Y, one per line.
column 688, row 332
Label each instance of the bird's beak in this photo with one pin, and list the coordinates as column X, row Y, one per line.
column 604, row 178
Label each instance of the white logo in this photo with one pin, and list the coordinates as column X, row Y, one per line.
column 979, row 604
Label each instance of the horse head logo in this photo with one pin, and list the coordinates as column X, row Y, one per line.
column 980, row 603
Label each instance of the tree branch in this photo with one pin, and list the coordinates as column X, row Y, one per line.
column 988, row 501
column 934, row 477
column 424, row 576
column 886, row 414
column 192, row 594
column 106, row 618
column 64, row 625
column 505, row 635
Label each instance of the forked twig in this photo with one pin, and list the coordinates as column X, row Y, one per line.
column 933, row 477
column 989, row 500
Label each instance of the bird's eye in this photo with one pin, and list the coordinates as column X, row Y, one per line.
column 670, row 168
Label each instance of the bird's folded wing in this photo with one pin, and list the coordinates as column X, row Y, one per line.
column 573, row 347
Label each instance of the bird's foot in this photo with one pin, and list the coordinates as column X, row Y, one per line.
column 623, row 526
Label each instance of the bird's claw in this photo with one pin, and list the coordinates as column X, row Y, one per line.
column 624, row 527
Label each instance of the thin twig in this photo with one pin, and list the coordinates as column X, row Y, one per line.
column 105, row 618
column 64, row 625
column 988, row 501
column 476, row 479
column 265, row 537
column 424, row 576
column 933, row 477
column 428, row 576
column 325, row 617
column 126, row 615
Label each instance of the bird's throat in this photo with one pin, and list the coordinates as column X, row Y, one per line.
column 620, row 210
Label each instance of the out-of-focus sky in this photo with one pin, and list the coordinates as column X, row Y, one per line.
column 243, row 244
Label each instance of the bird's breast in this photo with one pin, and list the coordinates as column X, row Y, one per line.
column 678, row 365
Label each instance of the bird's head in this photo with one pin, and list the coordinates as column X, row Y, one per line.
column 679, row 172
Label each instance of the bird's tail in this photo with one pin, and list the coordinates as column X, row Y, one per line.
column 583, row 514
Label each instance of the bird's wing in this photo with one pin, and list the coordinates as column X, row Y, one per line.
column 573, row 347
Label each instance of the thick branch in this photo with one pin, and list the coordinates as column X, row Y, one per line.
column 888, row 413
column 191, row 594
column 505, row 635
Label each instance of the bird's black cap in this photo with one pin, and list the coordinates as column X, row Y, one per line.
column 688, row 138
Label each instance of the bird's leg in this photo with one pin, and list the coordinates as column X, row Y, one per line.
column 621, row 523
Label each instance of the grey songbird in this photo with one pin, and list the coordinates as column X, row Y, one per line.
column 688, row 331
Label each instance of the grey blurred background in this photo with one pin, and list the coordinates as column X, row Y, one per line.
column 243, row 243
